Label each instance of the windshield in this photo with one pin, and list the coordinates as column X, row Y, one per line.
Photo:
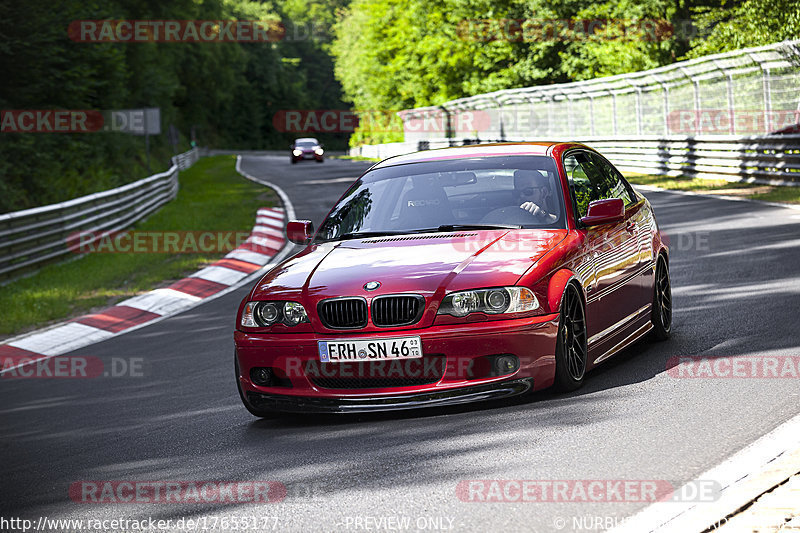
column 491, row 192
column 305, row 144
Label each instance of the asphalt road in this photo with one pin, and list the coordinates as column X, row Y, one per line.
column 736, row 286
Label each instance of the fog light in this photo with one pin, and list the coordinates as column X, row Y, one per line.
column 506, row 364
column 261, row 376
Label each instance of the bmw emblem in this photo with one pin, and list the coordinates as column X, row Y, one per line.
column 372, row 285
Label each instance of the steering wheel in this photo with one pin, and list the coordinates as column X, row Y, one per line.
column 510, row 215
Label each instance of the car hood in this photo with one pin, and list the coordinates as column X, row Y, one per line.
column 423, row 264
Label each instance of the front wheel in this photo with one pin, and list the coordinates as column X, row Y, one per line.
column 571, row 342
column 661, row 313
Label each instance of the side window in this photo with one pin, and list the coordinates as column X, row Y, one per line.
column 592, row 178
column 577, row 164
column 615, row 183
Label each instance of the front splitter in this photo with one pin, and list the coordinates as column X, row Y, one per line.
column 307, row 404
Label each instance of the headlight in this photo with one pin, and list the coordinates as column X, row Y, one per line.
column 490, row 301
column 294, row 313
column 319, row 151
column 297, row 153
column 265, row 314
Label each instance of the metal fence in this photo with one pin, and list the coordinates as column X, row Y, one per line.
column 745, row 92
column 186, row 159
column 34, row 237
column 716, row 116
column 773, row 159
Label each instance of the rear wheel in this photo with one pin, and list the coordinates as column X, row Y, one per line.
column 255, row 412
column 661, row 313
column 571, row 342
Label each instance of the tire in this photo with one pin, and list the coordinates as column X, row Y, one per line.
column 320, row 160
column 294, row 161
column 255, row 412
column 661, row 311
column 571, row 342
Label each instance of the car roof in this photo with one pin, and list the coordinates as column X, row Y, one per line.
column 306, row 140
column 476, row 150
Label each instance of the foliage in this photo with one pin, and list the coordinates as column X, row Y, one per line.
column 227, row 93
column 399, row 54
column 745, row 24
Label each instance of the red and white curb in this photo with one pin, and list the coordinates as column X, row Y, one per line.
column 265, row 247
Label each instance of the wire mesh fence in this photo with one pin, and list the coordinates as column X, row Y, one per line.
column 747, row 92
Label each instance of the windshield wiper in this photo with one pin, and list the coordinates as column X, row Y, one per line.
column 362, row 234
column 444, row 227
column 454, row 227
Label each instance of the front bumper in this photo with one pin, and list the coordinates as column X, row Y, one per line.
column 462, row 347
column 304, row 404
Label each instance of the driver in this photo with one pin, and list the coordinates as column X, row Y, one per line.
column 533, row 189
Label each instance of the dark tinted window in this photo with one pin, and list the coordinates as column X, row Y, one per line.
column 591, row 178
column 619, row 187
column 480, row 190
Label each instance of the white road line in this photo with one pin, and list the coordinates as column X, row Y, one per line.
column 284, row 198
column 691, row 517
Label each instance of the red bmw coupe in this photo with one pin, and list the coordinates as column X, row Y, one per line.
column 456, row 275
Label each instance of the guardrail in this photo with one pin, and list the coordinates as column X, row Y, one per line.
column 773, row 159
column 186, row 159
column 33, row 237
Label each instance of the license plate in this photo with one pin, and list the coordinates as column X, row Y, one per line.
column 369, row 349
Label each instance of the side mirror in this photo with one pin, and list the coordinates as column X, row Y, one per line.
column 604, row 212
column 300, row 231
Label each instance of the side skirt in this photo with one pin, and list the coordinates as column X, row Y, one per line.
column 627, row 341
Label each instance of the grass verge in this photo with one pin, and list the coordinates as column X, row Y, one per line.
column 212, row 197
column 766, row 193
